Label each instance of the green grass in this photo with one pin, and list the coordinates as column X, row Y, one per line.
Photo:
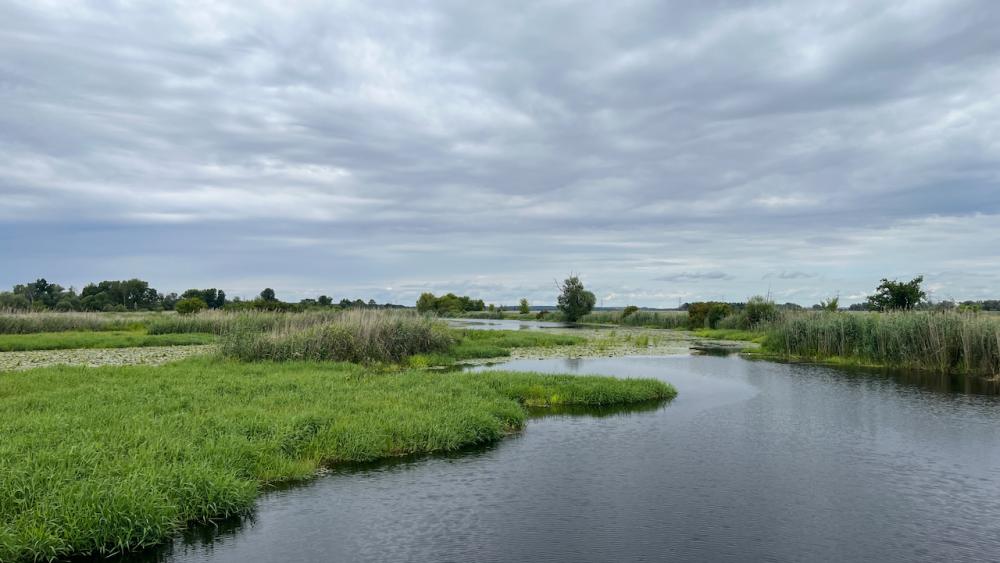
column 940, row 342
column 103, row 339
column 731, row 334
column 644, row 319
column 101, row 460
column 29, row 323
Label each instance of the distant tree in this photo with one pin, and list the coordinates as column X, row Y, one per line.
column 895, row 295
column 574, row 300
column 190, row 305
column 268, row 294
column 345, row 303
column 324, row 300
column 372, row 303
column 169, row 301
column 214, row 298
column 631, row 309
column 707, row 314
column 426, row 302
column 16, row 301
column 524, row 308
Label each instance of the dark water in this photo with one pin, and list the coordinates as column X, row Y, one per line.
column 754, row 461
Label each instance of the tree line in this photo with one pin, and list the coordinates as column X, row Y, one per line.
column 137, row 295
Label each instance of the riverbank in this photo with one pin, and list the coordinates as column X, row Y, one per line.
column 108, row 459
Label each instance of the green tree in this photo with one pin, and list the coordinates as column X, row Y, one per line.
column 893, row 295
column 190, row 305
column 574, row 300
column 268, row 294
column 631, row 309
column 324, row 300
column 524, row 308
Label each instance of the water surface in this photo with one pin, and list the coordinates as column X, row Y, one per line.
column 752, row 461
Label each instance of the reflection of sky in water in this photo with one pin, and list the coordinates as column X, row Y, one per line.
column 752, row 461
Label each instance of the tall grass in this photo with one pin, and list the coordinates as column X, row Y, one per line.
column 12, row 322
column 645, row 319
column 942, row 342
column 219, row 322
column 101, row 460
column 355, row 335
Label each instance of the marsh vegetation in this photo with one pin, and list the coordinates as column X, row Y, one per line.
column 110, row 459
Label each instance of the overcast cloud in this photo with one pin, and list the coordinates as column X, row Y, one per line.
column 665, row 151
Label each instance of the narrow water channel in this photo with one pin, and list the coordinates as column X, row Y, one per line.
column 754, row 461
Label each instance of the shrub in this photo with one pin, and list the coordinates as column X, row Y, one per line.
column 524, row 308
column 758, row 311
column 190, row 305
column 628, row 311
column 707, row 314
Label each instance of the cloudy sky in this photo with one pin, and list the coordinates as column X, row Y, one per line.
column 664, row 151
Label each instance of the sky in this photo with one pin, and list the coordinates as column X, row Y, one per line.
column 663, row 151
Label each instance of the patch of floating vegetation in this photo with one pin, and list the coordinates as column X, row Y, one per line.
column 148, row 355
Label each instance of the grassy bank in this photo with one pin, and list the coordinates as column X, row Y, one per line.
column 104, row 339
column 731, row 334
column 108, row 459
column 941, row 342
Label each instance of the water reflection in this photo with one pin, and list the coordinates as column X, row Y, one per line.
column 752, row 461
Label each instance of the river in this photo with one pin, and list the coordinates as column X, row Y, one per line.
column 753, row 461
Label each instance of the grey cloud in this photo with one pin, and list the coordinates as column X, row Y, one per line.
column 695, row 276
column 433, row 143
column 783, row 275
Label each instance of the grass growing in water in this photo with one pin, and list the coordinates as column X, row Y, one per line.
column 644, row 319
column 106, row 339
column 108, row 459
column 942, row 342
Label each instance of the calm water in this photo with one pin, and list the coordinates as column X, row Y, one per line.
column 505, row 324
column 753, row 461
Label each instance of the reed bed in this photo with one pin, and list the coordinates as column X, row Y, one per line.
column 356, row 335
column 103, row 460
column 644, row 319
column 942, row 342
